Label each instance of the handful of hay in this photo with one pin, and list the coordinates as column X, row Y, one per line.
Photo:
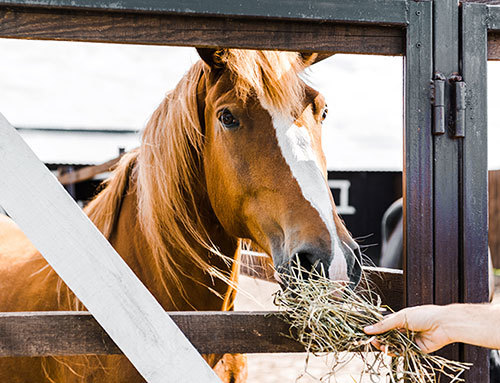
column 328, row 317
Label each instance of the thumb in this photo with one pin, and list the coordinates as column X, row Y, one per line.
column 396, row 320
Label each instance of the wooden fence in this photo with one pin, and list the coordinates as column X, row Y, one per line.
column 75, row 333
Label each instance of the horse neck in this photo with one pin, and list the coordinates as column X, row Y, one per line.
column 129, row 241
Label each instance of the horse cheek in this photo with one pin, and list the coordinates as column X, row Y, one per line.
column 222, row 192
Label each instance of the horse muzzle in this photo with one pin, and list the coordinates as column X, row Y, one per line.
column 344, row 266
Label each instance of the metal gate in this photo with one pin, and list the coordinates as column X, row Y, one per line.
column 445, row 47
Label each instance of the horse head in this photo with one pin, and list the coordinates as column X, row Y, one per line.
column 263, row 161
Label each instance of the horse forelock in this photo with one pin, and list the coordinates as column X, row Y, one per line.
column 272, row 76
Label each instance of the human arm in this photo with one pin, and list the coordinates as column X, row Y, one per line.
column 437, row 326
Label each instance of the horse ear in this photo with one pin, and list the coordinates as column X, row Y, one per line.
column 208, row 55
column 313, row 58
column 308, row 58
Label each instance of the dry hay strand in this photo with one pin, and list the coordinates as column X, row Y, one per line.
column 328, row 317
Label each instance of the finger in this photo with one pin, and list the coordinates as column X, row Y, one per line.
column 376, row 343
column 421, row 344
column 390, row 322
column 382, row 347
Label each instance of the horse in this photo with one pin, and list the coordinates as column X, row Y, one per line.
column 232, row 154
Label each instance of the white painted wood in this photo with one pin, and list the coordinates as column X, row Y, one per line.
column 99, row 277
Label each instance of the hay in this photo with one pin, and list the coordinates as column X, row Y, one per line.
column 328, row 317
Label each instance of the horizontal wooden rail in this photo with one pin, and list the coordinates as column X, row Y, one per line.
column 64, row 333
column 75, row 333
column 393, row 12
column 81, row 24
column 141, row 27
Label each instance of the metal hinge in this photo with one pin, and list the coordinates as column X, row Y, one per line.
column 439, row 104
column 457, row 115
column 460, row 105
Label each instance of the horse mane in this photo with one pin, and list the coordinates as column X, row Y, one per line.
column 167, row 164
column 103, row 210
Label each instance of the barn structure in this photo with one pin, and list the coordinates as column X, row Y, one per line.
column 445, row 45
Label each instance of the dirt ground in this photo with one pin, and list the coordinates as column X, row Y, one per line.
column 286, row 368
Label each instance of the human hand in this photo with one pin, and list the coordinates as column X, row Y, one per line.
column 428, row 321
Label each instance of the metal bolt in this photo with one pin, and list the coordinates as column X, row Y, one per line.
column 418, row 45
column 418, row 13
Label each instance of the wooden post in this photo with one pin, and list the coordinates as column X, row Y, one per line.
column 92, row 269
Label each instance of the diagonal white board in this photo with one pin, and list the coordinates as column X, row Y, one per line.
column 92, row 269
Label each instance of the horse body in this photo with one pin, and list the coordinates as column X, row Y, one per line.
column 231, row 153
column 29, row 284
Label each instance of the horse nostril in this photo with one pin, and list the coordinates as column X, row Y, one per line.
column 304, row 260
column 309, row 262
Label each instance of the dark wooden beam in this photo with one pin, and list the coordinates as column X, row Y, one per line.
column 59, row 333
column 75, row 333
column 392, row 12
column 388, row 283
column 200, row 31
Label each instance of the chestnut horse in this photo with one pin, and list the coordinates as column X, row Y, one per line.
column 234, row 151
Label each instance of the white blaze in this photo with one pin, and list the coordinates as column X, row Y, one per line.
column 296, row 146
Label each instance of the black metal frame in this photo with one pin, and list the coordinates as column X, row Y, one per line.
column 445, row 177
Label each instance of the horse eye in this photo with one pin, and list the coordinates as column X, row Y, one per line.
column 324, row 114
column 227, row 119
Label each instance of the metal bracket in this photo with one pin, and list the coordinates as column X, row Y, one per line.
column 438, row 101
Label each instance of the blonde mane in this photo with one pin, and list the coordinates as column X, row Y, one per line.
column 167, row 164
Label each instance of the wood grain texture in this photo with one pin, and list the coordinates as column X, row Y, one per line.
column 165, row 29
column 78, row 333
column 92, row 269
column 418, row 207
column 75, row 333
column 389, row 284
column 474, row 162
column 446, row 169
column 362, row 11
